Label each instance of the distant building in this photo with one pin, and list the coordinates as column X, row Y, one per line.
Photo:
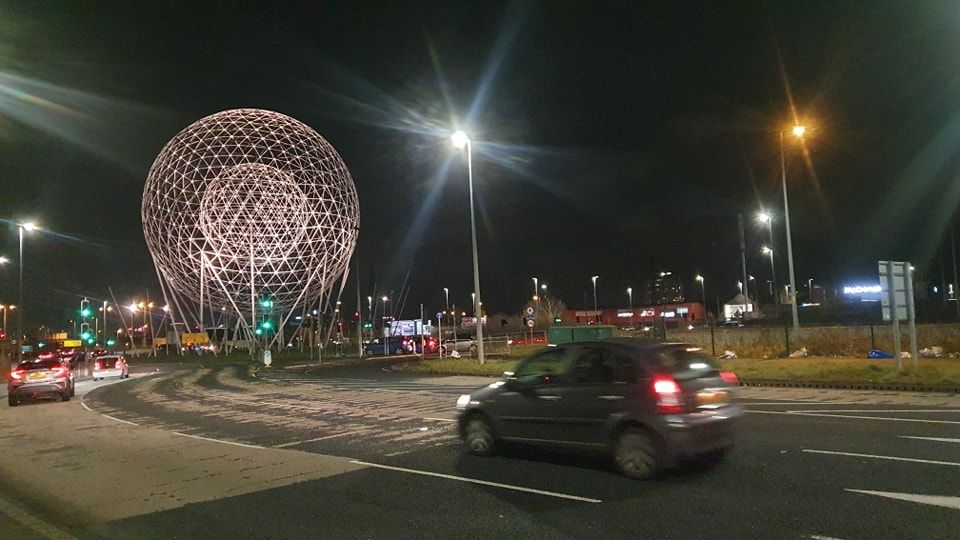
column 666, row 288
column 674, row 315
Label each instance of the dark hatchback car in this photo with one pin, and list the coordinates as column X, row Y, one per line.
column 40, row 377
column 646, row 405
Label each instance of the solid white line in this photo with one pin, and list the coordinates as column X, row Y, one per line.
column 820, row 537
column 84, row 405
column 748, row 403
column 937, row 439
column 481, row 482
column 857, row 417
column 890, row 458
column 218, row 440
column 325, row 437
column 935, row 500
column 439, row 419
column 879, row 410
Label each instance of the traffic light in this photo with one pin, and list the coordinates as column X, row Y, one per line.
column 85, row 332
column 266, row 325
column 91, row 341
column 266, row 303
column 367, row 325
column 111, row 342
column 258, row 332
column 85, row 310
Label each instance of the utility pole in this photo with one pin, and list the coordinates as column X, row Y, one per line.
column 953, row 248
column 743, row 261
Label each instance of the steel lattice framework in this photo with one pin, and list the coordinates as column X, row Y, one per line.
column 249, row 203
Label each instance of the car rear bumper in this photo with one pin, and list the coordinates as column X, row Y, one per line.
column 104, row 373
column 27, row 390
column 690, row 435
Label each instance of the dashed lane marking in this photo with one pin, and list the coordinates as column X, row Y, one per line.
column 826, row 415
column 325, row 437
column 480, row 482
column 218, row 440
column 114, row 418
column 439, row 419
column 889, row 458
column 936, row 439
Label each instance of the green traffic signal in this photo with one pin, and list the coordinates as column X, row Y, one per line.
column 91, row 341
column 86, row 312
column 266, row 325
column 111, row 342
column 266, row 303
column 368, row 325
column 258, row 332
column 85, row 335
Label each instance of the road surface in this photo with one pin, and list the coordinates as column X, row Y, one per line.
column 359, row 452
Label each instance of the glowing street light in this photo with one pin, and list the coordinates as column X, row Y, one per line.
column 4, row 260
column 29, row 227
column 630, row 298
column 594, row 279
column 798, row 132
column 460, row 141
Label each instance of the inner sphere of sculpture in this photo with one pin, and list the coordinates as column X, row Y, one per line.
column 250, row 194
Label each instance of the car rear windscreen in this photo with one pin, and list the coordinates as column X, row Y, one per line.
column 686, row 362
column 38, row 364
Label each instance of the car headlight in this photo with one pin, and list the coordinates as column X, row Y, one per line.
column 463, row 401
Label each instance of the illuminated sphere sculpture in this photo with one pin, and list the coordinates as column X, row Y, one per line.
column 249, row 201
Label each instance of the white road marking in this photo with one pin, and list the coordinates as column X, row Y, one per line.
column 481, row 482
column 9, row 509
column 935, row 500
column 119, row 419
column 821, row 537
column 325, row 437
column 937, row 439
column 890, row 458
column 824, row 414
column 879, row 410
column 748, row 403
column 218, row 440
column 440, row 419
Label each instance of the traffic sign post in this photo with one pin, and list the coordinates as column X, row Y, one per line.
column 896, row 283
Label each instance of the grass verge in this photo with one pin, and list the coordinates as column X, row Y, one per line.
column 928, row 372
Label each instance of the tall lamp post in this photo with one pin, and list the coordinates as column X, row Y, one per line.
column 28, row 226
column 460, row 141
column 767, row 219
column 3, row 261
column 798, row 132
column 595, row 308
column 630, row 299
column 703, row 291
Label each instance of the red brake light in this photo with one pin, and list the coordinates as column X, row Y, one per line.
column 729, row 377
column 16, row 374
column 98, row 365
column 669, row 395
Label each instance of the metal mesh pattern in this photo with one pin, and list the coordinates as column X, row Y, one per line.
column 249, row 195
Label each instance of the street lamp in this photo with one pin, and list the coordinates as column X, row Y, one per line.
column 798, row 132
column 29, row 227
column 703, row 290
column 630, row 299
column 460, row 141
column 595, row 309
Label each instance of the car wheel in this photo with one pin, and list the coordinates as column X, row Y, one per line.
column 12, row 401
column 478, row 435
column 96, row 379
column 64, row 396
column 635, row 454
column 73, row 391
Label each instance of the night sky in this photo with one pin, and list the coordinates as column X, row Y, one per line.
column 612, row 138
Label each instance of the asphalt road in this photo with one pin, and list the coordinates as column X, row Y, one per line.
column 808, row 464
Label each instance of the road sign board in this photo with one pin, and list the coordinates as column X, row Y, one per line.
column 530, row 323
column 530, row 310
column 439, row 315
column 900, row 270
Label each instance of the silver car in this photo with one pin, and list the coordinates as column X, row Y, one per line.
column 110, row 366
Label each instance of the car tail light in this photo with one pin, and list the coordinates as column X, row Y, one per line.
column 669, row 395
column 17, row 374
column 98, row 365
column 60, row 372
column 729, row 377
column 119, row 364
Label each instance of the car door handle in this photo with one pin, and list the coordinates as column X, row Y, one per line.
column 549, row 398
column 610, row 398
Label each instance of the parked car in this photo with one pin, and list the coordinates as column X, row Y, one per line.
column 40, row 378
column 110, row 365
column 401, row 345
column 645, row 405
